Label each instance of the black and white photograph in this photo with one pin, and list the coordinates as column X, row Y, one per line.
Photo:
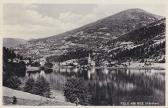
column 65, row 54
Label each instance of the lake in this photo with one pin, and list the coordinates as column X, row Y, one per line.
column 115, row 86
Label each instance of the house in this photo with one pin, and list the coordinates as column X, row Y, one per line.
column 42, row 61
column 91, row 62
column 26, row 61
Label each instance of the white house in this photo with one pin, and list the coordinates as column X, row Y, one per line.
column 42, row 61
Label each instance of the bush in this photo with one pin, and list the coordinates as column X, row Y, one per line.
column 39, row 87
column 12, row 82
column 77, row 88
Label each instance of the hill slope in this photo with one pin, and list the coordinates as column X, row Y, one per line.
column 24, row 98
column 116, row 24
column 106, row 38
column 13, row 42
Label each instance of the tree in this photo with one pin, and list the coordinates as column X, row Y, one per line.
column 20, row 69
column 76, row 88
column 29, row 85
column 42, row 87
column 35, row 64
column 39, row 87
column 48, row 65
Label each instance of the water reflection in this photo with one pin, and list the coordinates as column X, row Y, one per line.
column 114, row 86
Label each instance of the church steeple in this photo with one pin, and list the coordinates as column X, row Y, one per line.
column 89, row 59
column 90, row 62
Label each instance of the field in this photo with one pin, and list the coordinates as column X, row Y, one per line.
column 24, row 98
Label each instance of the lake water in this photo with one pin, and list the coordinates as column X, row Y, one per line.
column 116, row 86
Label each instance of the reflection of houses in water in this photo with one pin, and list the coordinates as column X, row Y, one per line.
column 91, row 67
column 105, row 70
column 42, row 73
column 35, row 73
column 66, row 66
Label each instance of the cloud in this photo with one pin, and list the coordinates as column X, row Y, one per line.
column 25, row 22
column 22, row 15
column 69, row 17
column 37, row 21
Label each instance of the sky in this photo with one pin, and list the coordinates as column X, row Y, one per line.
column 32, row 21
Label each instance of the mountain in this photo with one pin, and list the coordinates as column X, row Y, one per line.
column 107, row 39
column 116, row 25
column 13, row 42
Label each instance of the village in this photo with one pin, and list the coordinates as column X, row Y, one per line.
column 73, row 66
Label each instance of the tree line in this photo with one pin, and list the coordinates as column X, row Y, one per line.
column 12, row 70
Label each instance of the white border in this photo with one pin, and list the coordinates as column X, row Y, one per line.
column 151, row 2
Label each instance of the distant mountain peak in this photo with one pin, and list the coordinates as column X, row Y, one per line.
column 135, row 10
column 13, row 42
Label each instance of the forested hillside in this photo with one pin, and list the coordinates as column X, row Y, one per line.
column 133, row 34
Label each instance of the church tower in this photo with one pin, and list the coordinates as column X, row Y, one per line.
column 89, row 60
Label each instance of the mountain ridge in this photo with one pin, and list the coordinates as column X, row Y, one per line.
column 87, row 25
column 99, row 37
